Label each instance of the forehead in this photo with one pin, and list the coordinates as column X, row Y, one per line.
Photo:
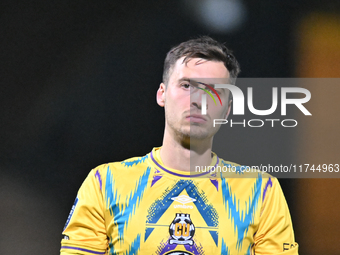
column 198, row 68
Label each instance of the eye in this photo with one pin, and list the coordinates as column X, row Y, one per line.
column 186, row 85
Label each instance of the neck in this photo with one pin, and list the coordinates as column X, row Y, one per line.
column 182, row 152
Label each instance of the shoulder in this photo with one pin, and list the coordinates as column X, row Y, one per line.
column 129, row 169
column 127, row 164
column 247, row 180
column 235, row 170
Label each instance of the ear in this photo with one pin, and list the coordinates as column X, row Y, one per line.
column 160, row 95
column 229, row 109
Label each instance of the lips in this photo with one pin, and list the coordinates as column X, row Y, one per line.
column 196, row 118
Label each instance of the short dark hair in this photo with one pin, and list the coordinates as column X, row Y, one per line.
column 203, row 47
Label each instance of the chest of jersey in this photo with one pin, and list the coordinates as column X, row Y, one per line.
column 155, row 214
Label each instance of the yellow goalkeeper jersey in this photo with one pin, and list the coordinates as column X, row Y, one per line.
column 139, row 206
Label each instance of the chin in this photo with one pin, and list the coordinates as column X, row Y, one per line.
column 199, row 134
column 194, row 132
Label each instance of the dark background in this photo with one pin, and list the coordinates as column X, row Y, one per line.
column 78, row 83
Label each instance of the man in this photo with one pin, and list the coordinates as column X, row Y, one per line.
column 157, row 204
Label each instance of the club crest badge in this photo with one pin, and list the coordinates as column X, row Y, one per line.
column 181, row 230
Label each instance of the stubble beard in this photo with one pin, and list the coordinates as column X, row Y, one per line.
column 187, row 132
column 184, row 132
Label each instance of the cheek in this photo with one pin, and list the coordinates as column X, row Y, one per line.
column 179, row 100
column 219, row 112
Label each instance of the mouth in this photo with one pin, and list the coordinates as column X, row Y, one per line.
column 197, row 118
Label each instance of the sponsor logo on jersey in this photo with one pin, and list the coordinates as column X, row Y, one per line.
column 183, row 199
column 181, row 230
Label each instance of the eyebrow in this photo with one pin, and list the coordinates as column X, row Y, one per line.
column 185, row 79
column 192, row 80
column 210, row 86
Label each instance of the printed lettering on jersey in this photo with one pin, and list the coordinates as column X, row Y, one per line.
column 182, row 230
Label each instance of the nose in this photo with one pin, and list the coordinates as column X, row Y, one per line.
column 197, row 98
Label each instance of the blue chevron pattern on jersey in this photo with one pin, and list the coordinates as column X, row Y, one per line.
column 115, row 203
column 242, row 219
column 224, row 248
column 134, row 162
